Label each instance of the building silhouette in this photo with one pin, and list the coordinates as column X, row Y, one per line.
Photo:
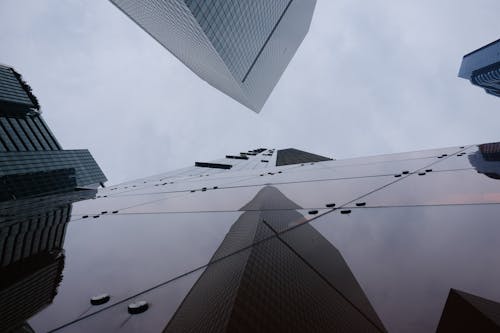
column 239, row 47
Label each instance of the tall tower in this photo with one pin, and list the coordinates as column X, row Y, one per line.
column 32, row 162
column 239, row 47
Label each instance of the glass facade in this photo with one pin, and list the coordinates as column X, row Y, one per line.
column 87, row 171
column 482, row 68
column 11, row 89
column 32, row 162
column 238, row 29
column 395, row 243
column 32, row 258
column 240, row 47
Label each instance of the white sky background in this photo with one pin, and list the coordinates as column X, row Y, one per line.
column 371, row 77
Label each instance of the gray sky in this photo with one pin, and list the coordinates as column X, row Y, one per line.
column 371, row 77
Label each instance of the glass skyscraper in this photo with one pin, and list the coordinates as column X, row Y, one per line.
column 482, row 68
column 266, row 240
column 240, row 47
column 32, row 162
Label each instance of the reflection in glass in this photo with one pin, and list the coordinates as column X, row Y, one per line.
column 465, row 312
column 487, row 160
column 279, row 284
column 31, row 254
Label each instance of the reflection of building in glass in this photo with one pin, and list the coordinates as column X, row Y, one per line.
column 31, row 254
column 32, row 162
column 482, row 68
column 364, row 244
column 464, row 312
column 38, row 183
column 241, row 48
column 487, row 160
column 280, row 284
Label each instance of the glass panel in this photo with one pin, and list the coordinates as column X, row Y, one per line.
column 317, row 194
column 484, row 159
column 124, row 254
column 179, row 185
column 330, row 171
column 162, row 304
column 438, row 188
column 21, row 134
column 117, row 203
column 231, row 199
column 406, row 259
column 430, row 153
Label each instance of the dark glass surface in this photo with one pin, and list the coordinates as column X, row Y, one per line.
column 122, row 255
column 407, row 258
column 163, row 302
column 260, row 248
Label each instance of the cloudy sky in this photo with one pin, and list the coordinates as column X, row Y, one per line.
column 371, row 77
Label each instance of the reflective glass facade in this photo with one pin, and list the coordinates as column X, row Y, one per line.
column 238, row 29
column 25, row 132
column 401, row 243
column 32, row 162
column 482, row 68
column 87, row 171
column 11, row 90
column 240, row 47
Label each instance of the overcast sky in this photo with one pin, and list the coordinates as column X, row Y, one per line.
column 371, row 77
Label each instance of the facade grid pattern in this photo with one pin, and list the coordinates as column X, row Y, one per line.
column 34, row 235
column 25, row 133
column 86, row 169
column 238, row 29
column 239, row 47
column 11, row 90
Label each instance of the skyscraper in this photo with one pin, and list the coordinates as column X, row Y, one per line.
column 32, row 161
column 268, row 240
column 482, row 68
column 240, row 47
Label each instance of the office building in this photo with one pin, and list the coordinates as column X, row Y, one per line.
column 482, row 68
column 286, row 240
column 239, row 47
column 32, row 162
column 32, row 235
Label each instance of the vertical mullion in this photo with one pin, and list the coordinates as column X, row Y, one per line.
column 21, row 134
column 29, row 134
column 36, row 131
column 13, row 135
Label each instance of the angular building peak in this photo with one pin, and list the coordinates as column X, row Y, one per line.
column 15, row 91
column 295, row 156
column 239, row 47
